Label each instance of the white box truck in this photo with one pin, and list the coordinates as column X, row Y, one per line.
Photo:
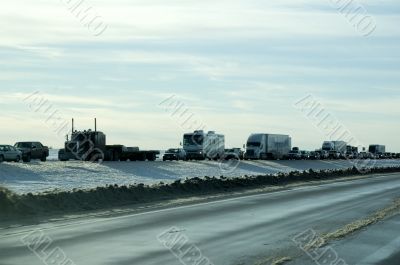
column 200, row 145
column 377, row 149
column 267, row 146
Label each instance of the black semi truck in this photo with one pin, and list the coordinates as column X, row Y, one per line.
column 91, row 145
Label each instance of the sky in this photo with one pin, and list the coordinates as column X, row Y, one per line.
column 236, row 67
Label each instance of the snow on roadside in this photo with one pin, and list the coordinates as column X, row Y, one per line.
column 47, row 176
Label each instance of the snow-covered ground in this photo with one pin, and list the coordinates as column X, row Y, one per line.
column 46, row 176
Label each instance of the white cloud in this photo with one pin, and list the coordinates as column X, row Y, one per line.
column 234, row 89
column 47, row 21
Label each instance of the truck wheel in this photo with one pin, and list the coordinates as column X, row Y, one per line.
column 43, row 158
column 1, row 159
column 95, row 157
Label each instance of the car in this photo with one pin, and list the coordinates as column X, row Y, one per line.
column 305, row 155
column 32, row 150
column 234, row 153
column 398, row 155
column 387, row 155
column 362, row 155
column 370, row 155
column 315, row 155
column 174, row 154
column 349, row 155
column 334, row 154
column 375, row 156
column 9, row 153
column 323, row 154
column 294, row 155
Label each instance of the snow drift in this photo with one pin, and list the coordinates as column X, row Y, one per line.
column 15, row 205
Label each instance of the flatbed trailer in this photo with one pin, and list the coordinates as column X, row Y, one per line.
column 123, row 153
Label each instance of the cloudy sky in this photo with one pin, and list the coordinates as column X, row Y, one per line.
column 234, row 66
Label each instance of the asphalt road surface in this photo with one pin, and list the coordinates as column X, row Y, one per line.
column 240, row 230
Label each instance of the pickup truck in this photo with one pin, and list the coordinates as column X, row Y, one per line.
column 174, row 154
column 295, row 154
column 234, row 153
column 32, row 150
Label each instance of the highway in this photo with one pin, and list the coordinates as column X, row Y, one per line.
column 240, row 230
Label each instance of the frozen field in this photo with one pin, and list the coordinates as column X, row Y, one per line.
column 38, row 176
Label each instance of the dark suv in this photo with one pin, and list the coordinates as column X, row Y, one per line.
column 32, row 150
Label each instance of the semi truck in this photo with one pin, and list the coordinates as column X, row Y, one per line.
column 338, row 146
column 267, row 146
column 89, row 145
column 377, row 149
column 200, row 145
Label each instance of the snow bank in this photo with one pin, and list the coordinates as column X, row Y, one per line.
column 12, row 204
column 65, row 176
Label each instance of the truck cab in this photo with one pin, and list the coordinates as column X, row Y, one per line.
column 328, row 146
column 255, row 146
column 84, row 145
column 340, row 147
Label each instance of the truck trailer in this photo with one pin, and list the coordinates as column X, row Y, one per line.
column 338, row 146
column 200, row 145
column 377, row 149
column 91, row 145
column 267, row 146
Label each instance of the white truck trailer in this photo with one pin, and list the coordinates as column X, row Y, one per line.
column 267, row 146
column 338, row 146
column 200, row 145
